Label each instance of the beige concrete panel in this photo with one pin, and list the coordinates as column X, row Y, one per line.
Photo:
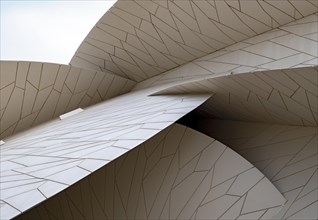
column 164, row 29
column 135, row 191
column 55, row 151
column 293, row 172
column 43, row 91
column 277, row 96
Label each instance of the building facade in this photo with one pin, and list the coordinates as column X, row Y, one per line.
column 192, row 109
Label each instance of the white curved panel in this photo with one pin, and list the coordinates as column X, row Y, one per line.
column 178, row 174
column 140, row 39
column 291, row 46
column 286, row 155
column 33, row 92
column 279, row 96
column 44, row 160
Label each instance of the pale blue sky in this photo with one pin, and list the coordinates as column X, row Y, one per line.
column 48, row 31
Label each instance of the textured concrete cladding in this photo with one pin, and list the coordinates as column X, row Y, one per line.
column 286, row 155
column 269, row 77
column 178, row 174
column 279, row 96
column 60, row 153
column 32, row 92
column 289, row 46
column 141, row 39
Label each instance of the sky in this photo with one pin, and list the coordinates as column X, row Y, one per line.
column 46, row 31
